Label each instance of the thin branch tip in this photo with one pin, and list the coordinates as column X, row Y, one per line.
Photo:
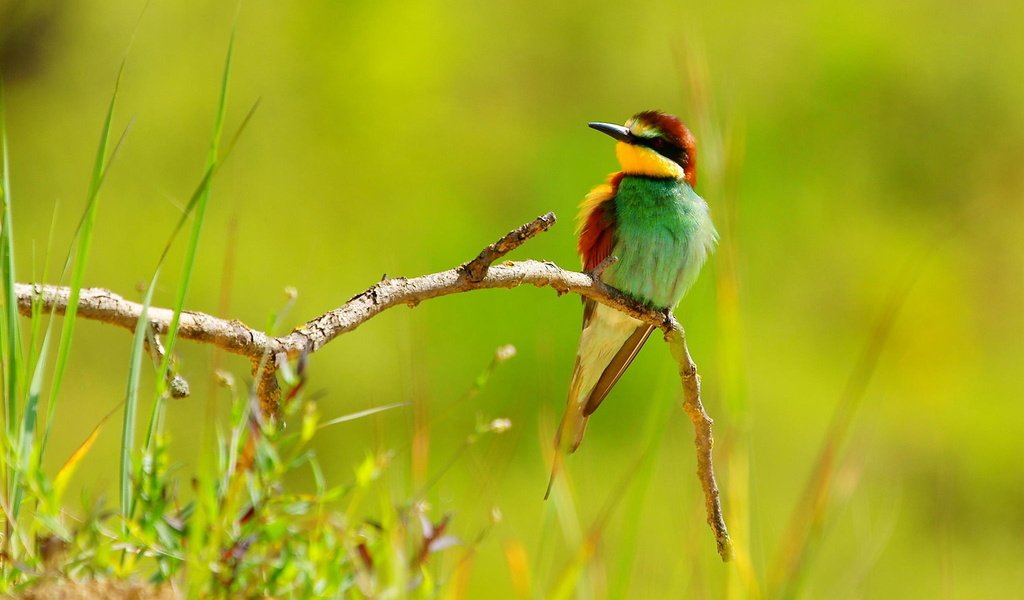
column 599, row 270
column 476, row 269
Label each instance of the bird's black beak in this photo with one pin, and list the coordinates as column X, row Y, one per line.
column 616, row 131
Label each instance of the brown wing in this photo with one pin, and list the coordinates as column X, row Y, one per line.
column 617, row 367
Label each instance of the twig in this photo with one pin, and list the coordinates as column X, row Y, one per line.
column 176, row 384
column 599, row 270
column 704, row 440
column 268, row 392
column 477, row 268
column 480, row 273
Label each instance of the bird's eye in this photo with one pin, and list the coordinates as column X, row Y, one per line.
column 668, row 149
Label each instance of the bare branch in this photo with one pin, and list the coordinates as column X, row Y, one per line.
column 704, row 440
column 480, row 273
column 477, row 268
column 236, row 337
column 102, row 305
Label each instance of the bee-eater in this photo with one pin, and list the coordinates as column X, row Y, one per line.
column 650, row 218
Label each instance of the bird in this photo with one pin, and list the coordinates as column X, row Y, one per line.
column 647, row 216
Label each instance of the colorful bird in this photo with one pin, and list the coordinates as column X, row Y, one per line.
column 648, row 216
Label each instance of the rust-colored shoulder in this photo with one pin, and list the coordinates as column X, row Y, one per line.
column 595, row 223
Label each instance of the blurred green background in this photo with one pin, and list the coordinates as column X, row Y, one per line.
column 401, row 138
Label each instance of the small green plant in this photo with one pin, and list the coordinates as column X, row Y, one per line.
column 237, row 529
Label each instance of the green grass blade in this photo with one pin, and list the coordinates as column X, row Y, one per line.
column 808, row 517
column 575, row 579
column 100, row 165
column 197, row 194
column 84, row 227
column 70, row 257
column 654, row 432
column 362, row 414
column 12, row 341
column 38, row 360
column 200, row 203
column 132, row 398
column 27, row 435
column 201, row 191
column 208, row 174
column 60, row 482
column 37, row 305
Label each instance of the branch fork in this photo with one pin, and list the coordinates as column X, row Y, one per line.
column 266, row 353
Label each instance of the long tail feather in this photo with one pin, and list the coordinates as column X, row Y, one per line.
column 609, row 342
column 617, row 367
column 573, row 423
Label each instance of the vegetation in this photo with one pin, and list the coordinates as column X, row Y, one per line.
column 857, row 330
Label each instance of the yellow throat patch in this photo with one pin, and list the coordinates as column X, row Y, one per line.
column 638, row 160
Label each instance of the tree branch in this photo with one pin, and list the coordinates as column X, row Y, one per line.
column 476, row 269
column 480, row 273
column 704, row 441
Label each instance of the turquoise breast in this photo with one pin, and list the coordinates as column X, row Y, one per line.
column 663, row 235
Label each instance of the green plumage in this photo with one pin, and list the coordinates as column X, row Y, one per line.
column 663, row 234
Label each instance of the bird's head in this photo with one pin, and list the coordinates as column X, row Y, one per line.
column 654, row 144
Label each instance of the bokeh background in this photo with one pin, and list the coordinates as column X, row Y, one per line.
column 849, row 149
